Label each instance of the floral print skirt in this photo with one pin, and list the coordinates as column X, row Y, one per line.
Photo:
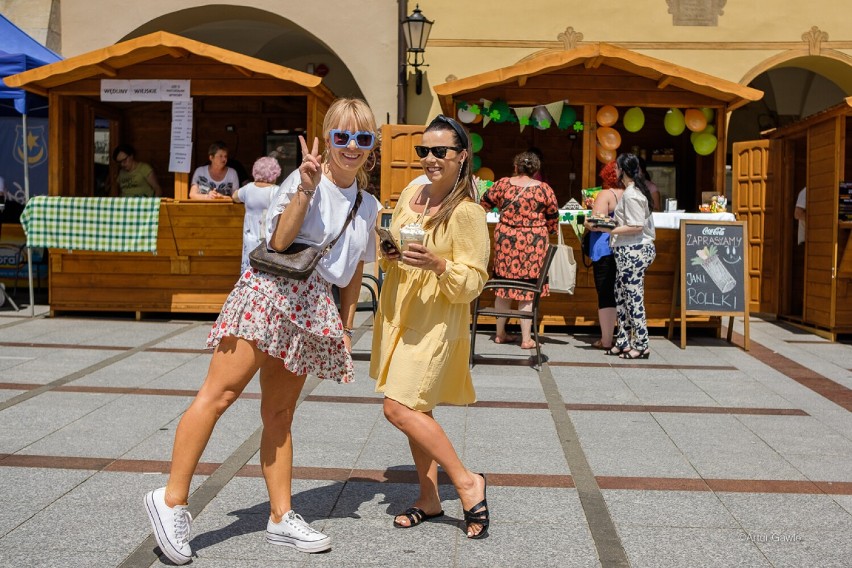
column 293, row 320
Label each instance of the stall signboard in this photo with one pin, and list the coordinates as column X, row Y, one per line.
column 713, row 272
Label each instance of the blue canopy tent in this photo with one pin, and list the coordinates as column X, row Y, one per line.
column 18, row 53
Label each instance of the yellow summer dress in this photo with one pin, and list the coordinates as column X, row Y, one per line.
column 421, row 339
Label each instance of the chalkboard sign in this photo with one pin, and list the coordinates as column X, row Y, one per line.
column 385, row 216
column 714, row 268
column 714, row 271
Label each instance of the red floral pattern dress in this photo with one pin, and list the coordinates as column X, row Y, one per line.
column 528, row 215
column 294, row 320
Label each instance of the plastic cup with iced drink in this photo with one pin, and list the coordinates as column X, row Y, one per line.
column 411, row 233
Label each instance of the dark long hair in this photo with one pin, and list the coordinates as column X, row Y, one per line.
column 630, row 166
column 464, row 189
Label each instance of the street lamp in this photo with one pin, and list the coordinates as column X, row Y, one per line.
column 416, row 30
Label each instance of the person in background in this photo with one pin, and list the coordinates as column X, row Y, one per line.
column 539, row 175
column 798, row 269
column 283, row 328
column 603, row 260
column 632, row 242
column 257, row 196
column 529, row 213
column 799, row 214
column 421, row 335
column 135, row 179
column 656, row 200
column 215, row 180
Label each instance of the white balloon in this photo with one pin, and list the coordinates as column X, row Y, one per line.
column 540, row 113
column 466, row 116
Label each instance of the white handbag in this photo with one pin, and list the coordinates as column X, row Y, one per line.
column 562, row 276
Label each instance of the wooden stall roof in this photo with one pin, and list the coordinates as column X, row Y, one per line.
column 115, row 61
column 592, row 56
column 803, row 124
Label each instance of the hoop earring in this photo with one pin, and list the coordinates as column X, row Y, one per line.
column 368, row 165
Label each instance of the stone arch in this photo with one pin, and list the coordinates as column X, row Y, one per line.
column 257, row 33
column 796, row 83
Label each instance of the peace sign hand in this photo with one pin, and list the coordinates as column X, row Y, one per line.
column 311, row 167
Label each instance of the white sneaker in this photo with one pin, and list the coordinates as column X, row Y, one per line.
column 171, row 526
column 295, row 532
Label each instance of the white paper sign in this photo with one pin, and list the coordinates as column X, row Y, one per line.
column 180, row 158
column 145, row 89
column 115, row 90
column 174, row 89
column 180, row 154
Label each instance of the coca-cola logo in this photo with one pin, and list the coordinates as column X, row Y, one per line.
column 719, row 231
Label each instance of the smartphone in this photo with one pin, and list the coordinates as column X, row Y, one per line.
column 387, row 242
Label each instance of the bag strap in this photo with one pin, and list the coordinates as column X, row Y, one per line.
column 517, row 195
column 349, row 218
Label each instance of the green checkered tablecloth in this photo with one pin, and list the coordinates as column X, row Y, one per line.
column 107, row 224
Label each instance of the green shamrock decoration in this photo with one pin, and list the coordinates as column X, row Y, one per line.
column 524, row 121
column 474, row 109
column 578, row 126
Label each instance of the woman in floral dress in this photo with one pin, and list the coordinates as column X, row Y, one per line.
column 528, row 215
column 283, row 328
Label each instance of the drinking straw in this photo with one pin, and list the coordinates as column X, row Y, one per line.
column 425, row 209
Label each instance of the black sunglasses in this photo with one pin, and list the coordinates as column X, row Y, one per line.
column 439, row 152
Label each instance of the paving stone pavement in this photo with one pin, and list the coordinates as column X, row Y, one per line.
column 708, row 456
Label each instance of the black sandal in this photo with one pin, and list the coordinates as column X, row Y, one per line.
column 614, row 351
column 415, row 516
column 643, row 354
column 478, row 514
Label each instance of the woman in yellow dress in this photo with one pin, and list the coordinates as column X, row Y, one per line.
column 421, row 341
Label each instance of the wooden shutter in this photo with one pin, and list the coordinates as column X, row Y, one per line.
column 400, row 164
column 824, row 142
column 750, row 172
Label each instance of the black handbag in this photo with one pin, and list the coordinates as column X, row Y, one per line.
column 300, row 259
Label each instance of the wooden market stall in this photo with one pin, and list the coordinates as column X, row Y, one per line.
column 586, row 78
column 245, row 102
column 810, row 284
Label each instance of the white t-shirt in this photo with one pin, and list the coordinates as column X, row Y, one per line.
column 256, row 200
column 801, row 201
column 326, row 215
column 205, row 182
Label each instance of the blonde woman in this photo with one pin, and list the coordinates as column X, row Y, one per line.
column 283, row 328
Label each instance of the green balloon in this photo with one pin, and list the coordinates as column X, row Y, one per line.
column 634, row 119
column 709, row 129
column 674, row 122
column 476, row 141
column 476, row 162
column 704, row 144
column 500, row 111
column 569, row 116
column 708, row 114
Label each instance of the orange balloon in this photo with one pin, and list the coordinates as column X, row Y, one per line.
column 477, row 120
column 485, row 173
column 605, row 155
column 609, row 137
column 695, row 120
column 607, row 115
